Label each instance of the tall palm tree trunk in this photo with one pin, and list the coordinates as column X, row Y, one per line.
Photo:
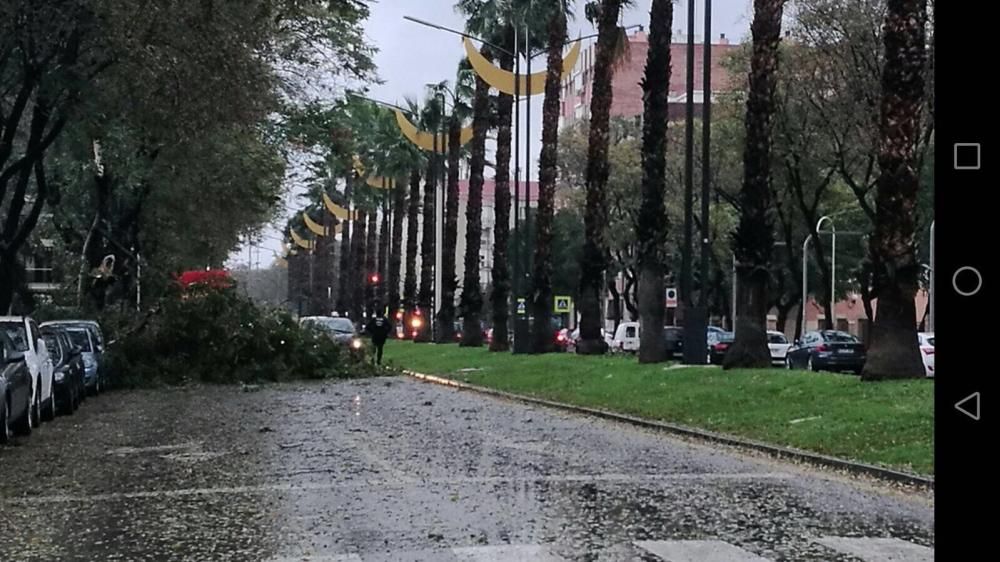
column 595, row 218
column 396, row 251
column 472, row 294
column 894, row 353
column 412, row 227
column 344, row 293
column 427, row 253
column 358, row 282
column 500, row 273
column 446, row 308
column 542, row 334
column 754, row 236
column 652, row 224
column 384, row 236
column 371, row 260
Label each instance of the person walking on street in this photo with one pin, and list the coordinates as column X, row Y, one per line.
column 378, row 328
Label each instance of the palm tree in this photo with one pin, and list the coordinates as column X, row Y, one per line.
column 430, row 120
column 371, row 257
column 555, row 14
column 344, row 296
column 357, row 271
column 412, row 226
column 893, row 352
column 489, row 19
column 754, row 235
column 472, row 295
column 651, row 228
column 610, row 42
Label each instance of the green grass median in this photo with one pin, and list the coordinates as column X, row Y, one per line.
column 886, row 423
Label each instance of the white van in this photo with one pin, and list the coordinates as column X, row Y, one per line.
column 626, row 337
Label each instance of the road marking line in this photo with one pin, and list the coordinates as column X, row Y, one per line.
column 505, row 553
column 385, row 482
column 879, row 550
column 321, row 558
column 698, row 551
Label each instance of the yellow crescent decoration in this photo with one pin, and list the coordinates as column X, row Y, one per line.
column 300, row 241
column 335, row 209
column 379, row 182
column 426, row 140
column 503, row 80
column 313, row 226
column 358, row 166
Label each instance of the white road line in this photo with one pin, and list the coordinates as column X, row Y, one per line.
column 385, row 482
column 879, row 550
column 322, row 558
column 698, row 551
column 506, row 553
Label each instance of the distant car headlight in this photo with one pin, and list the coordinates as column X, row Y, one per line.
column 356, row 344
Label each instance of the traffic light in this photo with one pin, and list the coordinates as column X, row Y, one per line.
column 374, row 278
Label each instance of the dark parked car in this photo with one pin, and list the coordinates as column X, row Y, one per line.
column 827, row 350
column 339, row 329
column 69, row 369
column 15, row 391
column 92, row 348
column 674, row 337
column 718, row 344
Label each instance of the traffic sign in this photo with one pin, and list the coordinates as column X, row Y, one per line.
column 671, row 295
column 522, row 308
column 563, row 304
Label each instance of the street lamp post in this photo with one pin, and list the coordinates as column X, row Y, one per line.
column 832, row 321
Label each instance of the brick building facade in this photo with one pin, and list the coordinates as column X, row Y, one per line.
column 625, row 86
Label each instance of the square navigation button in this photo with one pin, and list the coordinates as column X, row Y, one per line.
column 967, row 156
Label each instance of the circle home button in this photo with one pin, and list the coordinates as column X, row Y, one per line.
column 967, row 281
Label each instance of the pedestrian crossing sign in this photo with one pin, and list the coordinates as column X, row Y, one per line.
column 563, row 304
column 522, row 308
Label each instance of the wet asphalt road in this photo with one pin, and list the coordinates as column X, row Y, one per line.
column 396, row 470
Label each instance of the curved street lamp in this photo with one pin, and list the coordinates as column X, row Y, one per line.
column 833, row 269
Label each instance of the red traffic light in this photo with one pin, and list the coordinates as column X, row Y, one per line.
column 374, row 278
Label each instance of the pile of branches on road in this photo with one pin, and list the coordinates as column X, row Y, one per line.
column 217, row 335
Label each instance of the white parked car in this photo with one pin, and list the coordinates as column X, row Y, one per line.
column 574, row 337
column 24, row 333
column 626, row 337
column 927, row 352
column 779, row 346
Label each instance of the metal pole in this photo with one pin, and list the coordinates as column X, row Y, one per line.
column 138, row 282
column 833, row 270
column 930, row 289
column 706, row 136
column 686, row 256
column 527, row 163
column 516, row 262
column 734, row 292
column 805, row 281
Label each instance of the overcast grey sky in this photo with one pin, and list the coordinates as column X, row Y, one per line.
column 411, row 56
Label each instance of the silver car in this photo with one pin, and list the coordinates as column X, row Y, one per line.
column 340, row 330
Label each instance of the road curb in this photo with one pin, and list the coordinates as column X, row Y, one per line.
column 799, row 455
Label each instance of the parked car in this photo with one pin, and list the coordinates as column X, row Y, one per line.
column 827, row 350
column 340, row 330
column 718, row 344
column 574, row 338
column 96, row 375
column 15, row 391
column 83, row 339
column 779, row 346
column 26, row 337
column 69, row 369
column 674, row 336
column 927, row 352
column 626, row 337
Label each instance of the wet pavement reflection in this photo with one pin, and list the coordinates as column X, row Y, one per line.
column 391, row 469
